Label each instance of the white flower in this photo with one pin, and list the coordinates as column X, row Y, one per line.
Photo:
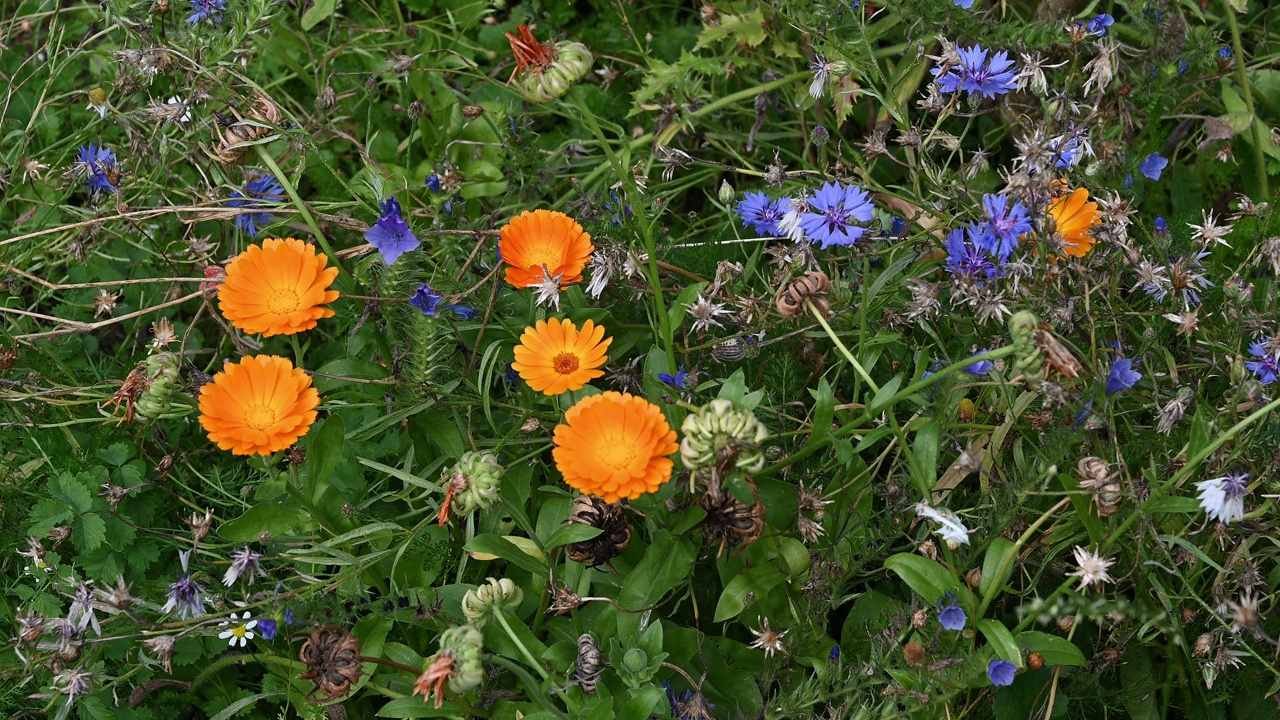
column 768, row 639
column 950, row 528
column 789, row 225
column 704, row 313
column 100, row 109
column 548, row 289
column 1093, row 568
column 1222, row 498
column 1210, row 231
column 238, row 633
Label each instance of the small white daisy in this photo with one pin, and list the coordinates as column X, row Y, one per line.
column 1222, row 498
column 238, row 633
column 1093, row 568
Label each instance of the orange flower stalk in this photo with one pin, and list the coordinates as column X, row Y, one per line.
column 258, row 406
column 278, row 288
column 544, row 243
column 1073, row 216
column 554, row 356
column 614, row 445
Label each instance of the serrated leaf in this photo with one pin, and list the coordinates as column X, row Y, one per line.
column 664, row 76
column 71, row 491
column 116, row 454
column 746, row 29
column 88, row 532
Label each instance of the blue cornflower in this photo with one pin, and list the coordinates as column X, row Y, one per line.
column 1099, row 24
column 898, row 225
column 391, row 234
column 1183, row 67
column 207, row 9
column 425, row 300
column 1003, row 224
column 433, row 182
column 463, row 311
column 978, row 75
column 267, row 628
column 834, row 655
column 102, row 167
column 966, row 4
column 1000, row 672
column 763, row 212
column 1225, row 52
column 833, row 210
column 1162, row 227
column 965, row 258
column 1153, row 166
column 1267, row 366
column 1122, row 376
column 677, row 381
column 264, row 190
column 1068, row 150
column 981, row 367
column 952, row 617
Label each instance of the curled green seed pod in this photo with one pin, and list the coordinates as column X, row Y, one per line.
column 546, row 72
column 722, row 435
column 1028, row 358
column 494, row 596
column 475, row 479
column 464, row 644
column 162, row 380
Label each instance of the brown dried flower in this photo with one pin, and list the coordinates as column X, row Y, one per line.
column 812, row 287
column 332, row 657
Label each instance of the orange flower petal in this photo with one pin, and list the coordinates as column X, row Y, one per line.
column 554, row 357
column 614, row 445
column 277, row 288
column 258, row 406
column 543, row 238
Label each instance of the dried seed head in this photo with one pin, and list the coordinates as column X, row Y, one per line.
column 1096, row 477
column 563, row 600
column 587, row 672
column 200, row 526
column 973, row 578
column 1035, row 661
column 919, row 618
column 615, row 530
column 1066, row 622
column 1203, row 645
column 730, row 522
column 913, row 653
column 811, row 288
column 332, row 657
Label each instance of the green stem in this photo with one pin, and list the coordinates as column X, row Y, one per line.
column 535, row 690
column 302, row 207
column 843, row 350
column 1243, row 78
column 528, row 656
column 1009, row 557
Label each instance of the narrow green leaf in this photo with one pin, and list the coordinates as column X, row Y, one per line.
column 507, row 550
column 574, row 533
column 318, row 13
column 322, row 455
column 823, row 412
column 996, row 567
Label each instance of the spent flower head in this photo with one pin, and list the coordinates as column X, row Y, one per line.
column 1222, row 498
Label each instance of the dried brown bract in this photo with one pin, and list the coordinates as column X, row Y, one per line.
column 812, row 287
column 615, row 535
column 587, row 672
column 263, row 118
column 1056, row 355
column 332, row 657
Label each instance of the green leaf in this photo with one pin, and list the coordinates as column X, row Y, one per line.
column 273, row 518
column 242, row 704
column 931, row 580
column 318, row 13
column 507, row 550
column 676, row 313
column 666, row 562
column 443, row 431
column 88, row 532
column 758, row 580
column 574, row 533
column 1174, row 504
column 1001, row 640
column 824, row 411
column 116, row 454
column 70, row 490
column 1056, row 650
column 996, row 567
column 925, row 450
column 415, row 707
column 747, row 29
column 322, row 455
column 882, row 398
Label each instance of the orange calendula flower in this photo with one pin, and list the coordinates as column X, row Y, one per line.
column 554, row 356
column 1073, row 216
column 540, row 242
column 277, row 289
column 614, row 445
column 258, row 406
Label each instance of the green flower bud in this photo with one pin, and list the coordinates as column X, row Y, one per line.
column 635, row 661
column 162, row 380
column 464, row 642
column 475, row 479
column 1028, row 359
column 840, row 68
column 720, row 432
column 494, row 596
column 726, row 192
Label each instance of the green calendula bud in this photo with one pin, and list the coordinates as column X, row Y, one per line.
column 546, row 72
column 722, row 435
column 1028, row 359
column 162, row 380
column 474, row 481
column 494, row 596
column 463, row 643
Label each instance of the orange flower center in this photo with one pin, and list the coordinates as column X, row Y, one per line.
column 539, row 255
column 260, row 417
column 283, row 301
column 565, row 363
column 617, row 455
